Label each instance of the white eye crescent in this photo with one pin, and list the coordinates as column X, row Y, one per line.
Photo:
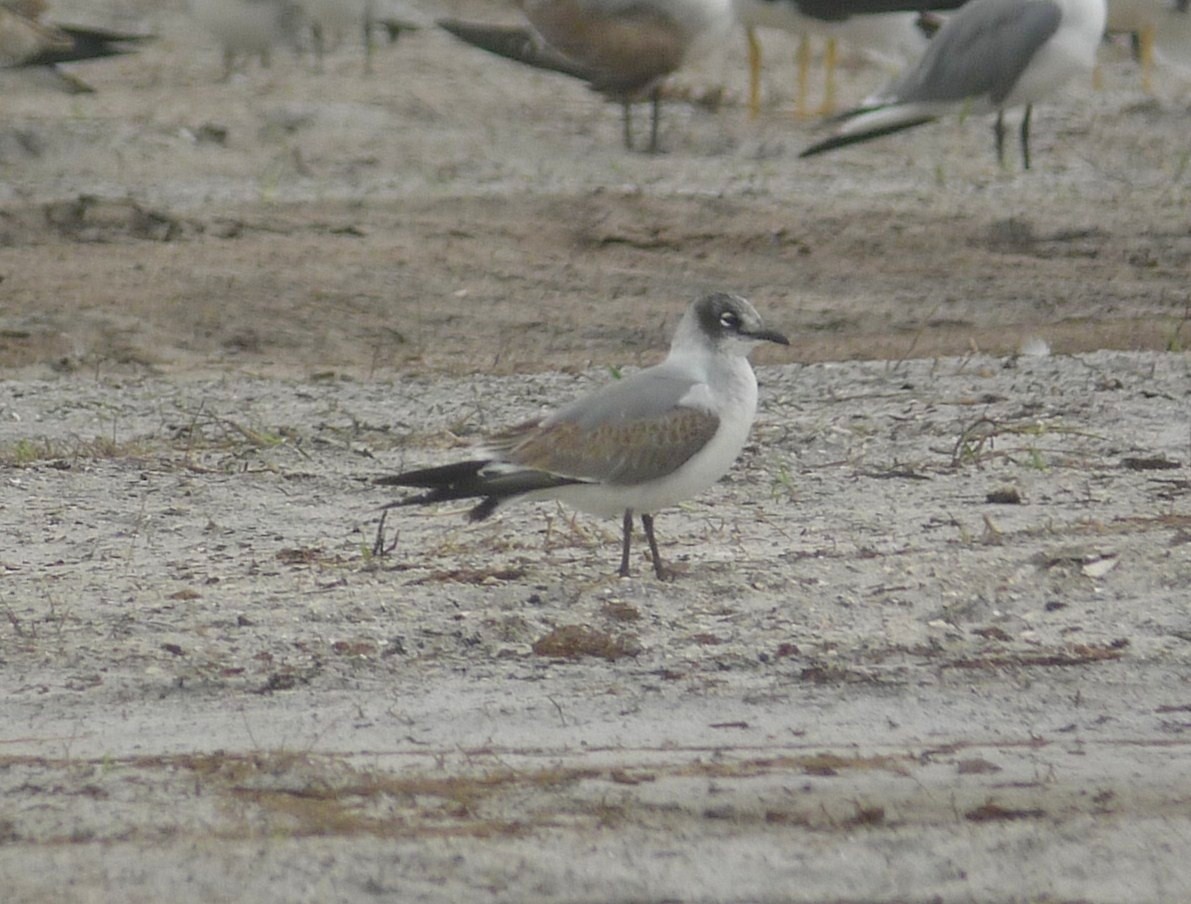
column 729, row 321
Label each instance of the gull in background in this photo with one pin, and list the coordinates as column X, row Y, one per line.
column 991, row 56
column 1161, row 31
column 889, row 30
column 1172, row 38
column 330, row 21
column 1138, row 18
column 248, row 28
column 623, row 49
column 643, row 443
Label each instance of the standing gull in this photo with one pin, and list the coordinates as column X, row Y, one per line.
column 887, row 29
column 991, row 56
column 248, row 28
column 640, row 444
column 622, row 48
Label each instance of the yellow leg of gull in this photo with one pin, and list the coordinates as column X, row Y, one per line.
column 830, row 57
column 754, row 73
column 803, row 58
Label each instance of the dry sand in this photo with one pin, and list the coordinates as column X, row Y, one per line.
column 932, row 637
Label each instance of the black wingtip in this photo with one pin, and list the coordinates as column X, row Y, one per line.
column 842, row 141
column 87, row 44
column 435, row 478
column 448, row 483
column 514, row 43
column 485, row 509
column 509, row 41
column 467, row 480
column 835, row 11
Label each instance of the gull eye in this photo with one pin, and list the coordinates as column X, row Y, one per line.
column 730, row 321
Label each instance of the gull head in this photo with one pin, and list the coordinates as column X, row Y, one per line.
column 724, row 324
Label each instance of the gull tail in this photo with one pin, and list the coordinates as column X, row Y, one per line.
column 867, row 123
column 514, row 43
column 468, row 480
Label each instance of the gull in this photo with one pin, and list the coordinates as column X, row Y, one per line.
column 1138, row 18
column 1160, row 31
column 331, row 20
column 623, row 49
column 891, row 30
column 640, row 444
column 1172, row 38
column 991, row 56
column 246, row 28
column 26, row 42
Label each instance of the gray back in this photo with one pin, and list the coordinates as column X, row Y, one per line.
column 648, row 394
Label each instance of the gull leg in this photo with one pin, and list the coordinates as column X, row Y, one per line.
column 803, row 58
column 1025, row 137
column 655, row 102
column 626, row 113
column 628, row 540
column 999, row 137
column 830, row 58
column 754, row 73
column 658, row 568
column 320, row 46
column 1145, row 51
column 368, row 15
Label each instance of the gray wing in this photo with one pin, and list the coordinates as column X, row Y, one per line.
column 982, row 50
column 631, row 431
column 650, row 393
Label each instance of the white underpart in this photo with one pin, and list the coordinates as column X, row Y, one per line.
column 709, row 23
column 243, row 26
column 891, row 38
column 1171, row 29
column 1071, row 51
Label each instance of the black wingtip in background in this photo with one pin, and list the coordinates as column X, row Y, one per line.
column 513, row 43
column 841, row 141
column 88, row 44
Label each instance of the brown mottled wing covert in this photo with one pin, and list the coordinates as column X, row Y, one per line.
column 616, row 452
column 22, row 39
column 627, row 49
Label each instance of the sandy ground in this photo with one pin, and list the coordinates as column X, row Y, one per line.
column 931, row 639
